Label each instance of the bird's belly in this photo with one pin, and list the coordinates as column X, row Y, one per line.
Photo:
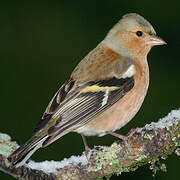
column 118, row 115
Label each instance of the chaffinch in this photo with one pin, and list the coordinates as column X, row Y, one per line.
column 103, row 93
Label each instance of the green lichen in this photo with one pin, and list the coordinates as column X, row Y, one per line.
column 6, row 148
column 6, row 145
column 157, row 165
column 175, row 141
column 4, row 137
column 148, row 136
column 141, row 149
column 140, row 158
column 121, row 170
column 59, row 176
column 140, row 161
column 108, row 161
column 108, row 177
column 105, row 158
column 177, row 151
column 164, row 157
column 163, row 167
column 174, row 138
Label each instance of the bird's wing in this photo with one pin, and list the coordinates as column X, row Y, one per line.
column 73, row 106
column 54, row 104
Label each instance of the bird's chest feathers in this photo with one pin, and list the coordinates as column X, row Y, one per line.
column 125, row 109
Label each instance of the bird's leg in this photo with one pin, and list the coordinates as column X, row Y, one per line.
column 124, row 138
column 87, row 149
column 131, row 131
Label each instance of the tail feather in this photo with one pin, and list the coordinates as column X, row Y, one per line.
column 24, row 152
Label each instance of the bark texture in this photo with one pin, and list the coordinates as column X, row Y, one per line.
column 145, row 145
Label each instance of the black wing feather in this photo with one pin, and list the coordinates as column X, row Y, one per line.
column 53, row 105
column 88, row 105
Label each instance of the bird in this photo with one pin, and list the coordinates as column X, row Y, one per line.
column 103, row 93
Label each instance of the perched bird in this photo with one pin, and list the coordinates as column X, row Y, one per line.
column 103, row 93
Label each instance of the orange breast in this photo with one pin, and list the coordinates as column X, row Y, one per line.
column 124, row 110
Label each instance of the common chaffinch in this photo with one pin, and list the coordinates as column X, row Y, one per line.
column 103, row 93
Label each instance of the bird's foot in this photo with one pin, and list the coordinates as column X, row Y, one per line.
column 123, row 138
column 87, row 149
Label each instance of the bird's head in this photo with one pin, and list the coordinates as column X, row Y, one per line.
column 133, row 36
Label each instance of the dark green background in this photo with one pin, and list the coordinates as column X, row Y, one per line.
column 41, row 43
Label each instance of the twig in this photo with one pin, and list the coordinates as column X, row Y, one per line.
column 145, row 145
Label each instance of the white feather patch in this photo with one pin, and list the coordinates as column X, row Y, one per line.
column 105, row 98
column 129, row 73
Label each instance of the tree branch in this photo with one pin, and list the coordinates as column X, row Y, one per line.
column 145, row 145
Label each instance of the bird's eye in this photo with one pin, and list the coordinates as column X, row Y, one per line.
column 139, row 33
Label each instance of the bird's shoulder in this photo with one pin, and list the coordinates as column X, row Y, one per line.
column 100, row 64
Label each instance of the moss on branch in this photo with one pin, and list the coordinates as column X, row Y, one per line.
column 147, row 145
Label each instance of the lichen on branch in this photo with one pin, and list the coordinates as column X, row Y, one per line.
column 145, row 145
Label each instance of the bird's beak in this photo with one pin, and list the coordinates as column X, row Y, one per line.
column 155, row 41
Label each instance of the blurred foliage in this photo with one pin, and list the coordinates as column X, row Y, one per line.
column 41, row 43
